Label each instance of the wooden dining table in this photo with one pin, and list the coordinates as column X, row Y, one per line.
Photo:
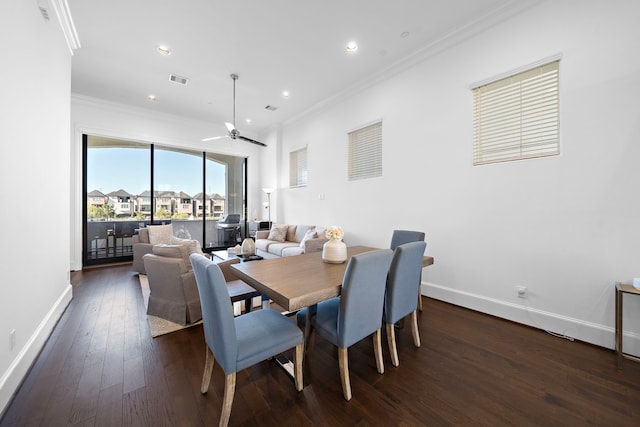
column 299, row 281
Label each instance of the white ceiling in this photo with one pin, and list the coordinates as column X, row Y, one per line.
column 275, row 45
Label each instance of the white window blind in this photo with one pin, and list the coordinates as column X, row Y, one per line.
column 365, row 152
column 298, row 168
column 518, row 117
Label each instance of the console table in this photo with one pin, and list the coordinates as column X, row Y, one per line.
column 621, row 289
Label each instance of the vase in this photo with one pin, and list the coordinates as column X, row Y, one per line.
column 248, row 247
column 334, row 251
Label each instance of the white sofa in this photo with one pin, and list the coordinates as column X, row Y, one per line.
column 289, row 240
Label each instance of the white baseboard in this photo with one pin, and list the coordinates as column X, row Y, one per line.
column 593, row 333
column 11, row 379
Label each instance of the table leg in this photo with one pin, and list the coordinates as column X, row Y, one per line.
column 311, row 311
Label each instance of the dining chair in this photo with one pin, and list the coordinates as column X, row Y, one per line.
column 400, row 237
column 403, row 282
column 239, row 342
column 357, row 312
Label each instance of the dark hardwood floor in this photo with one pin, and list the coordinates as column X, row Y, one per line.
column 102, row 368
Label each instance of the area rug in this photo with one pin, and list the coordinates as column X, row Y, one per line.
column 157, row 325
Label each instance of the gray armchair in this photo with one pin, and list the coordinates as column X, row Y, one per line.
column 173, row 290
column 147, row 237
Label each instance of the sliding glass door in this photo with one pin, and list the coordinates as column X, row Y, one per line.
column 129, row 185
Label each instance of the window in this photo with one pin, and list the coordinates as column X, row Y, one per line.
column 517, row 117
column 129, row 185
column 365, row 152
column 298, row 168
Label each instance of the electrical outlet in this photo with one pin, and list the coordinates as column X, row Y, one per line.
column 12, row 339
column 521, row 291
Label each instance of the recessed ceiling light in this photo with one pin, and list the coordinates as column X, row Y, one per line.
column 163, row 50
column 248, row 121
column 285, row 94
column 151, row 97
column 352, row 46
column 404, row 34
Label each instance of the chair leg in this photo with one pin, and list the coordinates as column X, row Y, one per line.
column 343, row 362
column 420, row 293
column 414, row 328
column 377, row 348
column 391, row 340
column 298, row 355
column 229, row 391
column 208, row 370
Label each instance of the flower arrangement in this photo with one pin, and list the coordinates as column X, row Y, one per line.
column 334, row 232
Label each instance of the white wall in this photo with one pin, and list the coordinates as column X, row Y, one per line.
column 98, row 117
column 566, row 227
column 34, row 182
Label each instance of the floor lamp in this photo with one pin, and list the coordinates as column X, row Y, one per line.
column 268, row 191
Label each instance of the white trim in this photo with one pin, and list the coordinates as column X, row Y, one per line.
column 594, row 333
column 545, row 61
column 18, row 369
column 66, row 23
column 454, row 37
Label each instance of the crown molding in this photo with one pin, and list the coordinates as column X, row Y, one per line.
column 447, row 41
column 61, row 7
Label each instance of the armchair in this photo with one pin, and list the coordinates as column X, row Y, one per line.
column 172, row 284
column 147, row 237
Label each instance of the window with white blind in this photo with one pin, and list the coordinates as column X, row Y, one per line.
column 365, row 152
column 298, row 168
column 517, row 117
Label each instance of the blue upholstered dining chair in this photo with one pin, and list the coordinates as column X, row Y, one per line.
column 357, row 312
column 400, row 237
column 403, row 283
column 240, row 342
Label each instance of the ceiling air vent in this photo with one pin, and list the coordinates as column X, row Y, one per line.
column 177, row 79
column 42, row 5
column 271, row 108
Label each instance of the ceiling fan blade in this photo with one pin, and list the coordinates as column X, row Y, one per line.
column 230, row 127
column 253, row 141
column 214, row 137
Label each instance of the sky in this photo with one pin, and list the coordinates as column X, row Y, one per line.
column 112, row 169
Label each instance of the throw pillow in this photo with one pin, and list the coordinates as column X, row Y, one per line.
column 291, row 233
column 143, row 235
column 278, row 232
column 160, row 234
column 310, row 234
column 171, row 251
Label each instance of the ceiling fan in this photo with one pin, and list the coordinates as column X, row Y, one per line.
column 231, row 127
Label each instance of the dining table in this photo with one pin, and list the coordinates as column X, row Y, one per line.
column 300, row 281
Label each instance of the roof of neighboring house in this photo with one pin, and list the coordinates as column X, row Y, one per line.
column 120, row 193
column 96, row 193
